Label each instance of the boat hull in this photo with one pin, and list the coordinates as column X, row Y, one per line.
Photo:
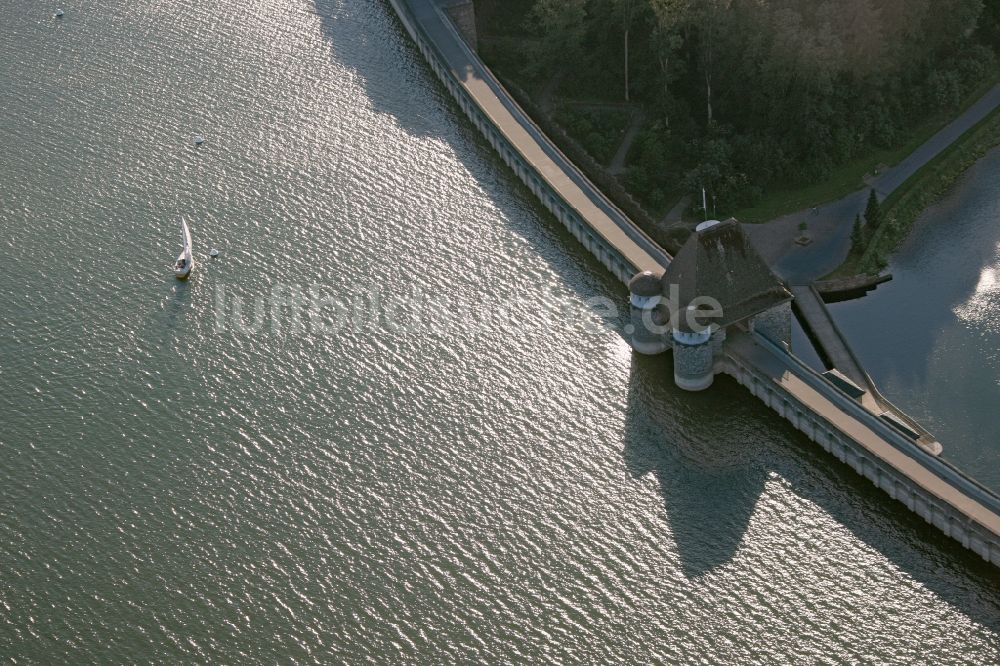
column 185, row 262
column 183, row 273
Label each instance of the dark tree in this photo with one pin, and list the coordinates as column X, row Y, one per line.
column 873, row 211
column 857, row 235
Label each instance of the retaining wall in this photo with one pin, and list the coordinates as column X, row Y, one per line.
column 942, row 514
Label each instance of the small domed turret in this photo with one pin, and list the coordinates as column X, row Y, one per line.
column 645, row 285
column 647, row 330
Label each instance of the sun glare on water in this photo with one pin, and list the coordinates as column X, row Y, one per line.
column 982, row 309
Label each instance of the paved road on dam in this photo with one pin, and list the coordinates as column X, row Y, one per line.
column 557, row 171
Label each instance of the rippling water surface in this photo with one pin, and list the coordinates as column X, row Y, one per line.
column 178, row 492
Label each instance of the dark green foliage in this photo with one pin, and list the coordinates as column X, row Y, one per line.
column 873, row 212
column 562, row 28
column 944, row 89
column 857, row 234
column 794, row 88
column 718, row 171
column 508, row 57
column 655, row 168
column 599, row 131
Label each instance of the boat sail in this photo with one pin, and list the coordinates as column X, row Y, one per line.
column 184, row 263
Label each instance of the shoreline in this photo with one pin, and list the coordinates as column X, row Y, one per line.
column 866, row 435
column 904, row 206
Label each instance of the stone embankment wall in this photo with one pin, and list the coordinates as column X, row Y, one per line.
column 942, row 514
column 609, row 256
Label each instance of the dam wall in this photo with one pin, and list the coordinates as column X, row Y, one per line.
column 564, row 191
column 927, row 485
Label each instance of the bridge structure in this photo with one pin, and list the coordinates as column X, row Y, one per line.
column 841, row 410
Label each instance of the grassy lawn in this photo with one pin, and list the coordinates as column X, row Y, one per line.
column 849, row 177
column 850, row 268
column 902, row 208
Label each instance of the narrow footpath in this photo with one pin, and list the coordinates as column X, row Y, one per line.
column 617, row 166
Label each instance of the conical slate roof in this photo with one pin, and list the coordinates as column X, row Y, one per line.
column 719, row 262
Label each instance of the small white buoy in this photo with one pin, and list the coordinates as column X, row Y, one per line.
column 198, row 139
column 214, row 253
column 59, row 13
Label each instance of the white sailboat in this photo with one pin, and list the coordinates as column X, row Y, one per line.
column 184, row 263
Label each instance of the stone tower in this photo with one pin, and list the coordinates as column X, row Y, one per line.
column 717, row 281
column 649, row 319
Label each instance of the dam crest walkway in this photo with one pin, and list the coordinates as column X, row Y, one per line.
column 887, row 451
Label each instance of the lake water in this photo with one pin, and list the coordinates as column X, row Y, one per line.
column 931, row 337
column 175, row 489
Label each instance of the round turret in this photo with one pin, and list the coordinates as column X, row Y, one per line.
column 645, row 290
column 694, row 357
column 645, row 285
column 647, row 330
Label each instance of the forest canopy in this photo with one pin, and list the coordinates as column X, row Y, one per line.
column 775, row 92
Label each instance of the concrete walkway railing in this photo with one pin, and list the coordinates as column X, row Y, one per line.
column 461, row 67
column 934, row 464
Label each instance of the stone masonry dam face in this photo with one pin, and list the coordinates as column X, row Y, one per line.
column 753, row 348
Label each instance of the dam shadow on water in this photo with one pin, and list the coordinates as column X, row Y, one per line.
column 713, row 453
column 385, row 69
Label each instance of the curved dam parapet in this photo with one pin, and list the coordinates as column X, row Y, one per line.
column 561, row 187
column 927, row 485
column 751, row 339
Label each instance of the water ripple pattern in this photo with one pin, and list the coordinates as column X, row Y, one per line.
column 174, row 490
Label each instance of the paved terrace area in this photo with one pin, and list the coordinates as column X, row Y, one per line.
column 535, row 148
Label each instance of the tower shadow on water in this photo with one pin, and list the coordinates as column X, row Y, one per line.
column 712, row 453
column 708, row 476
